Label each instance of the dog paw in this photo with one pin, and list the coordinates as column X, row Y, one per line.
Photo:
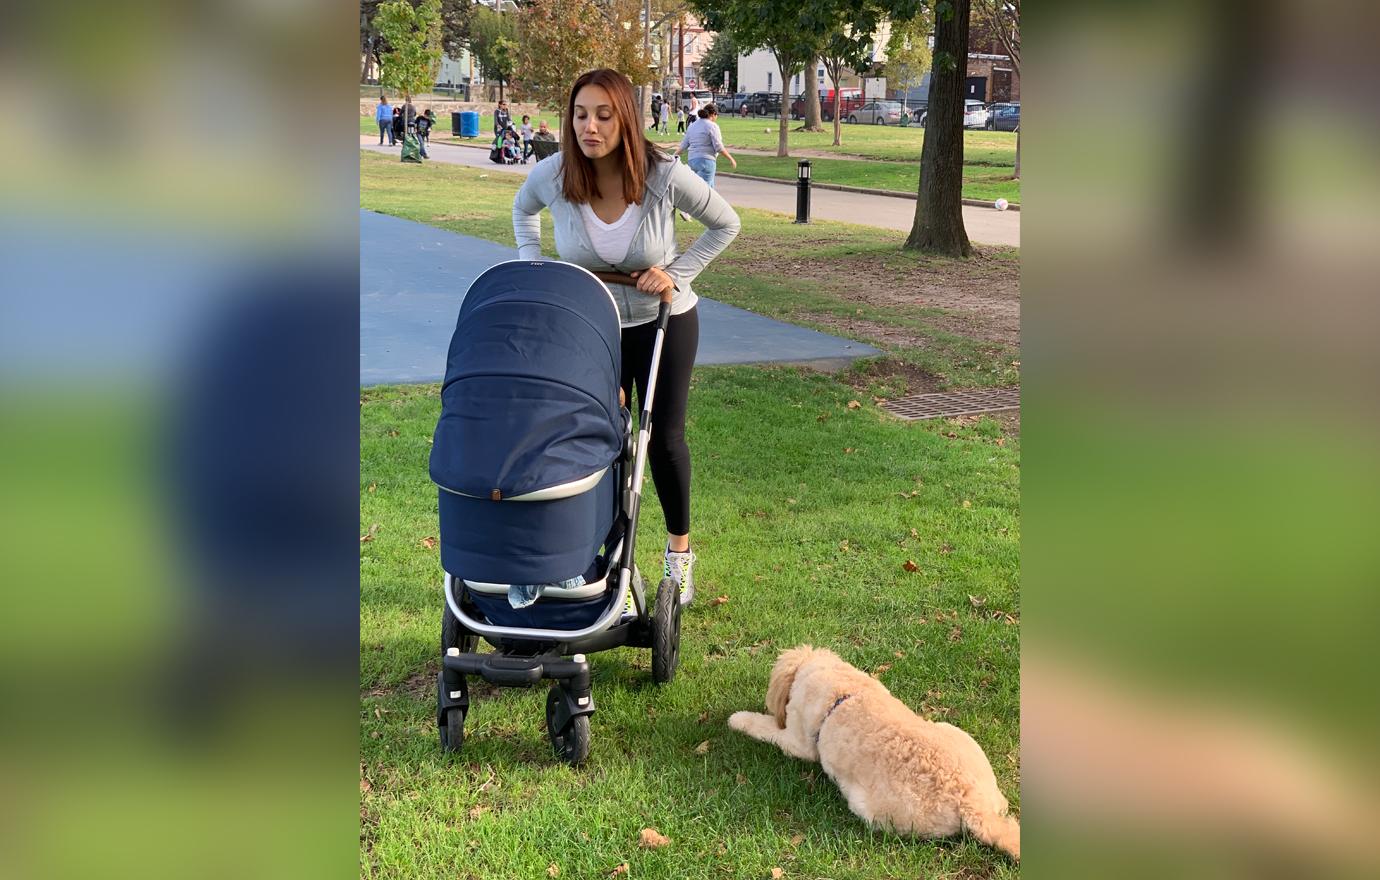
column 741, row 721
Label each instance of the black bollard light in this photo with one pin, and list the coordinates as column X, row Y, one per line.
column 802, row 192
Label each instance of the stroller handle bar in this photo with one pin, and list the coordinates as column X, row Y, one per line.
column 622, row 278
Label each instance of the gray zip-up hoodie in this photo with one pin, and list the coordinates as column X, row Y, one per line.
column 670, row 187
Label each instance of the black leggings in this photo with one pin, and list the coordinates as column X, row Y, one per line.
column 668, row 452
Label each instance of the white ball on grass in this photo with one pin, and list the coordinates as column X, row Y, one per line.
column 1001, row 204
column 766, row 131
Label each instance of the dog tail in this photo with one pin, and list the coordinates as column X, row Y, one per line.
column 994, row 829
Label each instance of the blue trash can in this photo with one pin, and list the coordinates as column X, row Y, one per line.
column 469, row 124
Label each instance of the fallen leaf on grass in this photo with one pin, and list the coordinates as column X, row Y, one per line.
column 977, row 601
column 909, row 565
column 650, row 838
column 476, row 812
column 1001, row 441
column 955, row 634
column 898, row 654
column 369, row 536
column 702, row 748
column 914, row 533
column 946, row 548
column 877, row 673
column 704, row 716
column 849, row 450
column 553, row 870
column 429, row 542
column 717, row 600
column 777, row 874
column 373, row 486
column 797, row 840
column 740, row 779
column 853, row 404
column 621, row 869
column 967, row 503
column 392, row 433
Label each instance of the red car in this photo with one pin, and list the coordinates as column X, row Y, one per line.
column 849, row 100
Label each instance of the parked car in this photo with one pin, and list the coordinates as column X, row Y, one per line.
column 764, row 103
column 877, row 113
column 1005, row 117
column 732, row 103
column 975, row 115
column 849, row 101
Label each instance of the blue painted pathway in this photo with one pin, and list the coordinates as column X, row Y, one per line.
column 412, row 278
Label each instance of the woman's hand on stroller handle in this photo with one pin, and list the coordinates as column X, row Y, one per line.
column 655, row 281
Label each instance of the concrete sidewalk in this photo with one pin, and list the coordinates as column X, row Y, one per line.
column 413, row 277
column 984, row 225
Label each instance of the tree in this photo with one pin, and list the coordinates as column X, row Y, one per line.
column 908, row 52
column 938, row 223
column 811, row 94
column 558, row 40
column 721, row 58
column 456, row 17
column 850, row 39
column 414, row 46
column 1002, row 19
column 494, row 44
column 792, row 31
column 622, row 46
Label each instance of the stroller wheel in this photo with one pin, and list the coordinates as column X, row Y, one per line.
column 666, row 632
column 453, row 731
column 572, row 741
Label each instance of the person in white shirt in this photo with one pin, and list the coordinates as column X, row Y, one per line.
column 665, row 117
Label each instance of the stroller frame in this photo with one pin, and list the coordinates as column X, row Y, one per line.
column 526, row 656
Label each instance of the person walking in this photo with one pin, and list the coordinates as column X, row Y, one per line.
column 704, row 142
column 526, row 131
column 665, row 117
column 383, row 115
column 424, row 121
column 612, row 194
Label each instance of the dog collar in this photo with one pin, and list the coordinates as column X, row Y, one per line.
column 837, row 703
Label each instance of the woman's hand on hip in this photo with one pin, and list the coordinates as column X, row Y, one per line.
column 653, row 281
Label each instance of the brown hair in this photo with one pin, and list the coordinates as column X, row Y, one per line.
column 639, row 154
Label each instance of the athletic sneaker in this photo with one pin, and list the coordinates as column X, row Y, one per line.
column 679, row 567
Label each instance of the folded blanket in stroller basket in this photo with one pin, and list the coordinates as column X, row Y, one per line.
column 526, row 450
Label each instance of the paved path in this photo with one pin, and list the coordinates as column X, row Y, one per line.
column 413, row 277
column 984, row 225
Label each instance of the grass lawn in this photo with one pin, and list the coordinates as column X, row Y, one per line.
column 805, row 513
column 885, row 142
column 979, row 181
column 845, row 264
column 988, row 157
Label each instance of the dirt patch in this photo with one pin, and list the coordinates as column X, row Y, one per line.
column 980, row 297
column 875, row 332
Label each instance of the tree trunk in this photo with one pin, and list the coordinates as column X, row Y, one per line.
column 782, row 148
column 834, row 70
column 812, row 121
column 938, row 223
column 368, row 53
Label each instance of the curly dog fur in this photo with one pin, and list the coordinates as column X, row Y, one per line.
column 895, row 769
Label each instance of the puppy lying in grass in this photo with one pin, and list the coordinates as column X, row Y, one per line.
column 897, row 770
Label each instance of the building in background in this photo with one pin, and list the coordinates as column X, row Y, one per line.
column 758, row 71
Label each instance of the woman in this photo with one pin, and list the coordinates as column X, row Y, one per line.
column 705, row 142
column 613, row 195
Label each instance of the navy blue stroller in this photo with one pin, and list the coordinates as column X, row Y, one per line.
column 540, row 482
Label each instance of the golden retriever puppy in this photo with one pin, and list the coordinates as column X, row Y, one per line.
column 896, row 770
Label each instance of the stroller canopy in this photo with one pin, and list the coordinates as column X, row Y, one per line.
column 530, row 397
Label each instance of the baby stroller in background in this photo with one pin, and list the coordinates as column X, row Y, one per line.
column 505, row 151
column 540, row 484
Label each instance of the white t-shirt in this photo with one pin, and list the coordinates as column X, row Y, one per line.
column 610, row 240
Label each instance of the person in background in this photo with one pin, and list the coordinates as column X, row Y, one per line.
column 383, row 115
column 665, row 117
column 502, row 119
column 424, row 121
column 544, row 133
column 399, row 128
column 656, row 111
column 526, row 131
column 705, row 142
column 680, row 120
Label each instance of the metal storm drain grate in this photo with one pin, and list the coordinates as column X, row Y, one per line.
column 954, row 403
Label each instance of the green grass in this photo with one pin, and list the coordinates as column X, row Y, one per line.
column 479, row 203
column 979, row 181
column 885, row 142
column 805, row 511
